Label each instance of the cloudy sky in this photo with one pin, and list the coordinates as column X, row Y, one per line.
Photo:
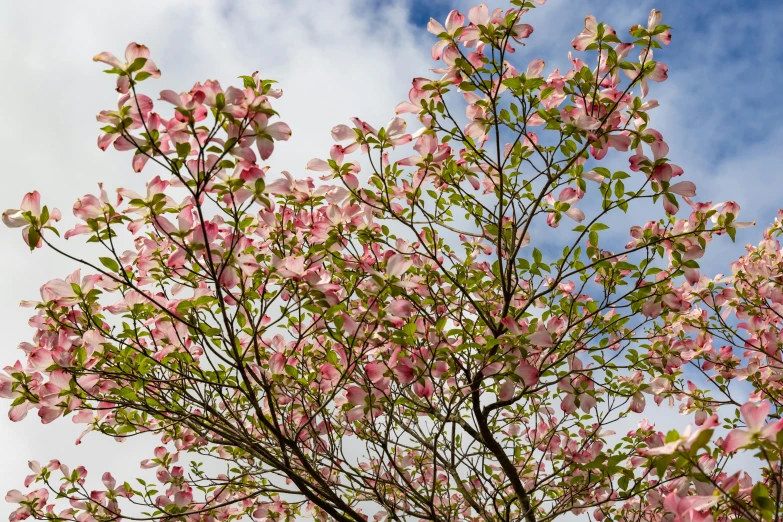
column 720, row 112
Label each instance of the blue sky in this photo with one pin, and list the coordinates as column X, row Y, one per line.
column 336, row 59
column 725, row 68
column 719, row 109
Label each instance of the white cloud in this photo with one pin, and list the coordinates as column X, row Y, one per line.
column 333, row 59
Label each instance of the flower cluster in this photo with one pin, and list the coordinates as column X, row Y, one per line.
column 398, row 339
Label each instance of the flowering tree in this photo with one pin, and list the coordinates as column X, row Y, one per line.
column 407, row 338
column 730, row 339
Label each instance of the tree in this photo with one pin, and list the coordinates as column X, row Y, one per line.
column 421, row 342
column 731, row 341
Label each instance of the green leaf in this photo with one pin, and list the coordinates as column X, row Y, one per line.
column 409, row 329
column 661, row 463
column 537, row 256
column 33, row 237
column 248, row 82
column 441, row 324
column 110, row 263
column 701, row 440
column 137, row 64
column 760, row 498
column 183, row 149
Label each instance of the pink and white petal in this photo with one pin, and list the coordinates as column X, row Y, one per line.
column 591, row 24
column 19, row 412
column 654, row 19
column 397, row 265
column 659, row 73
column 356, row 395
column 280, row 131
column 684, row 188
column 568, row 404
column 318, row 165
column 621, row 142
column 692, row 275
column 14, row 496
column 122, row 143
column 396, row 126
column 342, row 133
column 49, row 413
column 435, row 27
column 665, row 37
column 134, row 51
column 755, row 415
column 106, row 139
column 31, row 202
column 479, row 15
column 77, row 230
column 404, row 107
column 534, row 68
column 736, row 440
column 151, row 68
column 581, row 41
column 769, row 431
column 671, row 207
column 522, row 31
column 14, row 219
column 541, row 338
column 527, row 373
column 576, row 214
column 139, row 160
column 123, row 84
column 171, row 97
column 109, row 59
column 265, row 147
column 507, row 390
column 410, row 161
column 438, row 48
column 454, row 21
column 108, row 481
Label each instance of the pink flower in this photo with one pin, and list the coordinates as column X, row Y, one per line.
column 399, row 310
column 136, row 61
column 33, row 501
column 685, row 441
column 428, row 148
column 527, row 373
column 653, row 21
column 454, row 21
column 63, row 292
column 31, row 218
column 329, row 376
column 266, row 134
column 684, row 188
column 659, row 73
column 424, row 388
column 397, row 265
column 416, row 97
column 189, row 106
column 754, row 416
column 277, row 363
column 588, row 35
column 337, row 157
column 689, row 508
